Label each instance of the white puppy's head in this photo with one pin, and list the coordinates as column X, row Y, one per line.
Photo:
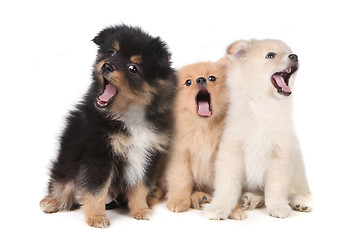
column 266, row 66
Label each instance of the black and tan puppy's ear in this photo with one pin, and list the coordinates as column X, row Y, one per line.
column 237, row 49
column 101, row 37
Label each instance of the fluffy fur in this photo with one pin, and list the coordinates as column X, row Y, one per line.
column 259, row 149
column 200, row 108
column 114, row 140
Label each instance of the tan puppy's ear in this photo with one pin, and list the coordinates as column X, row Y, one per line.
column 237, row 49
column 222, row 61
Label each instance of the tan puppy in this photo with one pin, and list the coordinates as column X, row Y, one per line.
column 200, row 108
column 259, row 149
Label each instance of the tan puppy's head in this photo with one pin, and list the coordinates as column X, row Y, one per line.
column 202, row 89
column 264, row 65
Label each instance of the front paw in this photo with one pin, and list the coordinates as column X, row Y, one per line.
column 278, row 210
column 49, row 205
column 141, row 214
column 238, row 213
column 98, row 221
column 214, row 213
column 250, row 201
column 199, row 198
column 178, row 205
column 301, row 203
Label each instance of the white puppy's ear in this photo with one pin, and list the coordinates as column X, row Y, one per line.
column 237, row 49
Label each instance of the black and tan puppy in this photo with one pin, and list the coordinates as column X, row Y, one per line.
column 114, row 140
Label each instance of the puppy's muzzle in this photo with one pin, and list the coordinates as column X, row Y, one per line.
column 107, row 68
column 293, row 57
column 201, row 81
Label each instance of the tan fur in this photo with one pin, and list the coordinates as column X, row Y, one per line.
column 93, row 206
column 125, row 94
column 137, row 203
column 120, row 143
column 116, row 46
column 259, row 149
column 237, row 213
column 137, row 59
column 196, row 138
column 61, row 198
column 94, row 209
column 199, row 198
column 155, row 196
column 161, row 142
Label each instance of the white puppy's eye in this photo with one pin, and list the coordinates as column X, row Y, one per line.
column 188, row 82
column 270, row 55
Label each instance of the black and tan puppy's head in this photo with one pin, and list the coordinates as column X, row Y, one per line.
column 130, row 68
column 202, row 89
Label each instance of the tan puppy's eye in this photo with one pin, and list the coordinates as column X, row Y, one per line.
column 188, row 82
column 212, row 78
column 270, row 55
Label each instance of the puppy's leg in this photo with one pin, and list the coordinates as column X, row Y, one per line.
column 93, row 196
column 139, row 208
column 251, row 200
column 180, row 182
column 238, row 213
column 154, row 197
column 60, row 197
column 277, row 183
column 199, row 198
column 94, row 208
column 299, row 192
column 228, row 178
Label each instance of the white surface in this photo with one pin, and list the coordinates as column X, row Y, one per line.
column 45, row 61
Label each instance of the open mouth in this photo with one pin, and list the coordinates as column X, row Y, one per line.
column 203, row 102
column 280, row 80
column 107, row 95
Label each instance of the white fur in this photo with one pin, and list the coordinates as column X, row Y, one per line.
column 258, row 150
column 139, row 149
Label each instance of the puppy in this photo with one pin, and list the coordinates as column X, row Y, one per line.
column 200, row 108
column 114, row 140
column 259, row 149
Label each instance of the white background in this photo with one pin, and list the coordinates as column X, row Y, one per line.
column 45, row 62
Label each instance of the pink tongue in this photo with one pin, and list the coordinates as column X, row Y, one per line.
column 204, row 109
column 108, row 93
column 281, row 83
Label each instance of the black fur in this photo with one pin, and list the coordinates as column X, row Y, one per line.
column 86, row 157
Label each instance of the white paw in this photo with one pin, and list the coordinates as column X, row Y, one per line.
column 301, row 203
column 250, row 201
column 278, row 209
column 213, row 213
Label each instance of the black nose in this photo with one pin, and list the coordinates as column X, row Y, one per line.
column 107, row 67
column 293, row 57
column 201, row 80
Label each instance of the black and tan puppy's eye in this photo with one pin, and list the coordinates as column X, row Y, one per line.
column 132, row 69
column 212, row 78
column 112, row 52
column 188, row 82
column 270, row 55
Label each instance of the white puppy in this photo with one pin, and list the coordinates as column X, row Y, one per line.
column 259, row 149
